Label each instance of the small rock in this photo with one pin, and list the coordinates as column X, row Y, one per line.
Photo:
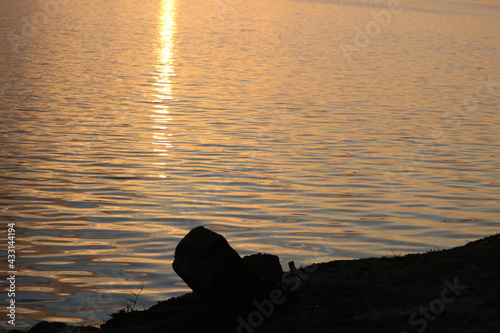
column 266, row 267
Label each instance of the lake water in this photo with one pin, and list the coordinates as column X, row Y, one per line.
column 314, row 130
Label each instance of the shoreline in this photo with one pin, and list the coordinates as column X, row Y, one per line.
column 453, row 290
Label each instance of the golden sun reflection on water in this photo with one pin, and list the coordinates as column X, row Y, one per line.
column 163, row 76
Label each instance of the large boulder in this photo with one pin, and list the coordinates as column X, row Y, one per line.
column 215, row 272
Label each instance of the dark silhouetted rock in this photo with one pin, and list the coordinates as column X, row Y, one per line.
column 215, row 272
column 266, row 267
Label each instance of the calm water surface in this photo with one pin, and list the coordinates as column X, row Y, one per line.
column 315, row 130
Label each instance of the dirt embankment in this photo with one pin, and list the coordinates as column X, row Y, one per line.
column 455, row 290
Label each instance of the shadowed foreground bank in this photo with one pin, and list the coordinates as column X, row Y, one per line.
column 455, row 290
